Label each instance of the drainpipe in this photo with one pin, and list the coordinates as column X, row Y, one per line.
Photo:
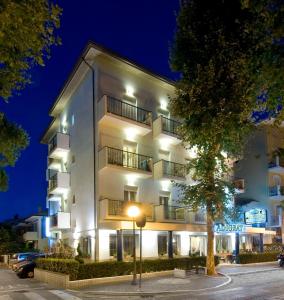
column 94, row 153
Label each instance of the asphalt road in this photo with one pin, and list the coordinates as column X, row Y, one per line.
column 264, row 285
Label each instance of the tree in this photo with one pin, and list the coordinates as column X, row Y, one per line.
column 230, row 56
column 13, row 139
column 26, row 36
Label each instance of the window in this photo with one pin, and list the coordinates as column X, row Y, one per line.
column 130, row 195
column 128, row 244
column 112, row 245
column 176, row 244
column 164, row 200
column 73, row 200
column 86, row 246
column 73, row 159
column 162, row 244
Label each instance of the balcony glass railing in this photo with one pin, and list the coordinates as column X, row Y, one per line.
column 53, row 182
column 129, row 111
column 173, row 169
column 170, row 126
column 129, row 159
column 174, row 213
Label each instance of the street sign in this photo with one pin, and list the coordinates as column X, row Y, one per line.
column 141, row 221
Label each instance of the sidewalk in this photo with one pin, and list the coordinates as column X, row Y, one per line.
column 171, row 285
column 234, row 270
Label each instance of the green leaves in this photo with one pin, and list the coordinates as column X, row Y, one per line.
column 13, row 139
column 26, row 35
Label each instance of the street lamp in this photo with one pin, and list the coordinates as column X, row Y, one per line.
column 133, row 212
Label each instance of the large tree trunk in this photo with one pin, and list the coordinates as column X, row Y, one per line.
column 210, row 263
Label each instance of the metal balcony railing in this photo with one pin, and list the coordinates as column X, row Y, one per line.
column 53, row 220
column 170, row 126
column 173, row 169
column 53, row 182
column 273, row 191
column 174, row 213
column 129, row 111
column 129, row 159
column 52, row 144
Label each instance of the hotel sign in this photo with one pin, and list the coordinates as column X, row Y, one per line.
column 229, row 228
column 255, row 216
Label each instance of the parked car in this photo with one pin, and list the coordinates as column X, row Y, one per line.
column 29, row 258
column 27, row 270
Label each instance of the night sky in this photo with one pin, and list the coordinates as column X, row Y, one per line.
column 139, row 30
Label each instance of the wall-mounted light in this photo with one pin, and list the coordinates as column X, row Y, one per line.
column 192, row 152
column 165, row 144
column 131, row 180
column 164, row 104
column 129, row 91
column 64, row 124
column 130, row 134
column 165, row 185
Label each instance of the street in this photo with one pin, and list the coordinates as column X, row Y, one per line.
column 261, row 285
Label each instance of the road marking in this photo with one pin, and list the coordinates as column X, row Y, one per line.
column 222, row 291
column 63, row 295
column 33, row 296
column 276, row 297
column 5, row 297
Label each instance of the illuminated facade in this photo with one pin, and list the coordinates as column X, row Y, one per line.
column 112, row 141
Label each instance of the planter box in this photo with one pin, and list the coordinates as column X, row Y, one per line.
column 178, row 273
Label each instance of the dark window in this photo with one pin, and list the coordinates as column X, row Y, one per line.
column 112, row 245
column 162, row 245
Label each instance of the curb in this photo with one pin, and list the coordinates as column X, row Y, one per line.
column 253, row 272
column 89, row 294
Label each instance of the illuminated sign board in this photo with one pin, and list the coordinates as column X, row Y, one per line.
column 255, row 216
column 227, row 228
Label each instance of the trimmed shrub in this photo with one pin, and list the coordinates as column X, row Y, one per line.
column 115, row 268
column 64, row 266
column 248, row 258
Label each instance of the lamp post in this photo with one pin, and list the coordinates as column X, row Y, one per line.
column 133, row 212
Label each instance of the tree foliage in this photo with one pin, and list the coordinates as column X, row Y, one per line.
column 26, row 35
column 230, row 55
column 27, row 32
column 13, row 139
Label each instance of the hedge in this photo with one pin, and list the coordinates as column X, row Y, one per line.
column 64, row 266
column 248, row 258
column 114, row 268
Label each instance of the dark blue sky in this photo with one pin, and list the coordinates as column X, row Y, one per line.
column 139, row 30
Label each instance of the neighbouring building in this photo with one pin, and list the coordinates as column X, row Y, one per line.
column 33, row 231
column 113, row 141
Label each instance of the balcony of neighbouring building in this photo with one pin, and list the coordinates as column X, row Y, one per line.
column 169, row 170
column 172, row 214
column 30, row 236
column 60, row 221
column 58, row 146
column 274, row 221
column 125, row 162
column 276, row 165
column 59, row 183
column 117, row 209
column 125, row 116
column 276, row 192
column 166, row 130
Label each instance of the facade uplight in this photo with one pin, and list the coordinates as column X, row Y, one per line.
column 129, row 91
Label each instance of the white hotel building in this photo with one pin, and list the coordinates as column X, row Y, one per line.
column 113, row 141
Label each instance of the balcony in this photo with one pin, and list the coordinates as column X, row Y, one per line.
column 117, row 209
column 125, row 162
column 173, row 214
column 167, row 130
column 59, row 183
column 169, row 170
column 122, row 115
column 198, row 217
column 59, row 221
column 54, row 164
column 30, row 236
column 276, row 165
column 58, row 146
column 275, row 221
column 276, row 192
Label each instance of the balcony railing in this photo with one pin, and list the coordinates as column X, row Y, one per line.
column 53, row 220
column 170, row 126
column 273, row 191
column 129, row 111
column 174, row 213
column 129, row 159
column 52, row 144
column 59, row 145
column 53, row 182
column 118, row 208
column 173, row 169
